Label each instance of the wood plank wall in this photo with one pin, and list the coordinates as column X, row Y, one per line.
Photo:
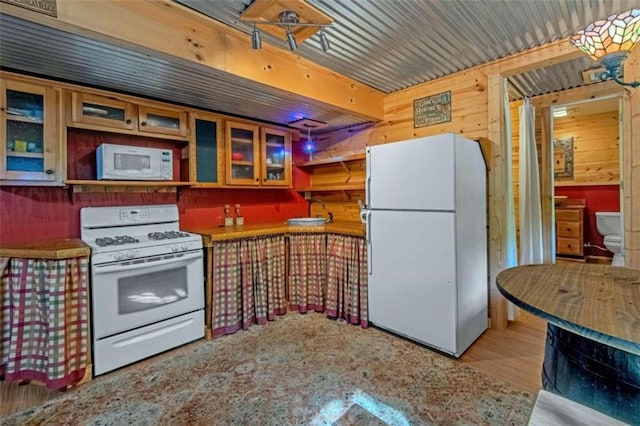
column 631, row 163
column 596, row 149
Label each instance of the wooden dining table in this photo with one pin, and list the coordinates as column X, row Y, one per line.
column 592, row 352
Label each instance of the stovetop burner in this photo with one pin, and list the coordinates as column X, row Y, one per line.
column 116, row 241
column 168, row 235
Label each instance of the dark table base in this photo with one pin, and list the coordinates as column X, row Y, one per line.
column 596, row 375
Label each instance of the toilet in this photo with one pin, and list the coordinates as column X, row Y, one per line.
column 610, row 227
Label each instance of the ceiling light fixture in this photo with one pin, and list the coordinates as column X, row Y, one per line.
column 256, row 40
column 609, row 42
column 287, row 20
column 291, row 40
column 559, row 112
column 324, row 41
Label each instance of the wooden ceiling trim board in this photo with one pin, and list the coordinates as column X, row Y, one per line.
column 592, row 91
column 538, row 57
column 188, row 35
column 269, row 10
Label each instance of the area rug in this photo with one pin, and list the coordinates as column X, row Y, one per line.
column 299, row 369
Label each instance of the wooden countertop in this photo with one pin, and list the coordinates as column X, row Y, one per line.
column 53, row 249
column 220, row 233
column 599, row 302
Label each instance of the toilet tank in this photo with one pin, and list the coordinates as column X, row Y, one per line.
column 608, row 223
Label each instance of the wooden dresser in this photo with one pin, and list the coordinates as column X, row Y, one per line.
column 570, row 230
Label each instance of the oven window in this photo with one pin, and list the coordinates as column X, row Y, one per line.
column 141, row 292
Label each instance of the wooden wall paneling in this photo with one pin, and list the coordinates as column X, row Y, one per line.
column 596, row 147
column 468, row 109
column 631, row 164
column 342, row 204
column 546, row 185
column 352, row 172
column 497, row 202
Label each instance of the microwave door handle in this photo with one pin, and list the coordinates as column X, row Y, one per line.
column 119, row 268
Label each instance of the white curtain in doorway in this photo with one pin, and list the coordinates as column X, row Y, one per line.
column 511, row 251
column 530, row 208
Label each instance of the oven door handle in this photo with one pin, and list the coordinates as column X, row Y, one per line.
column 119, row 268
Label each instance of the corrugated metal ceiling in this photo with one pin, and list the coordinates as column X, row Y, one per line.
column 49, row 52
column 388, row 45
column 391, row 45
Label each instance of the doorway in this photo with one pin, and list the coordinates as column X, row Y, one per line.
column 586, row 151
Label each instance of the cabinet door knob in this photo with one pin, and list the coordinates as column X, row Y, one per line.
column 144, row 123
column 264, row 179
column 257, row 180
column 128, row 121
column 49, row 171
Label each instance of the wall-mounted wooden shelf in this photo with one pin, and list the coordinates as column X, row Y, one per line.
column 344, row 187
column 332, row 160
column 124, row 185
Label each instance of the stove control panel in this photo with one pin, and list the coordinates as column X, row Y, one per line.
column 124, row 254
column 134, row 214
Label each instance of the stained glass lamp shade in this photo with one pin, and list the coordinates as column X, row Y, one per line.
column 609, row 42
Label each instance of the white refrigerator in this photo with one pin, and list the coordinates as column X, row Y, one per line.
column 426, row 228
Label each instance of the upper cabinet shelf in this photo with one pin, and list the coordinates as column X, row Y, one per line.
column 332, row 160
column 111, row 113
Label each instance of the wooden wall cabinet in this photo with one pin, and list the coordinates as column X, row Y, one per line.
column 570, row 231
column 110, row 113
column 276, row 157
column 162, row 121
column 257, row 156
column 205, row 152
column 30, row 133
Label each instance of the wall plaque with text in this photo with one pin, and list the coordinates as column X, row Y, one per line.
column 432, row 110
column 48, row 7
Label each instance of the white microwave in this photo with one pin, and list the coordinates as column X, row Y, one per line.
column 121, row 162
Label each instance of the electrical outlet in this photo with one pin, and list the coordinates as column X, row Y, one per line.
column 307, row 195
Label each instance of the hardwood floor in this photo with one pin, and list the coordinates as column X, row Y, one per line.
column 513, row 355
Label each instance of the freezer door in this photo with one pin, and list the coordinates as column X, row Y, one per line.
column 412, row 175
column 412, row 281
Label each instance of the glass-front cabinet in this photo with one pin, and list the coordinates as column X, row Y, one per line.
column 164, row 121
column 242, row 154
column 257, row 156
column 276, row 155
column 114, row 113
column 204, row 146
column 103, row 111
column 29, row 135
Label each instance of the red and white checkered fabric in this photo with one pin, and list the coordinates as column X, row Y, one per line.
column 44, row 320
column 307, row 271
column 248, row 283
column 347, row 279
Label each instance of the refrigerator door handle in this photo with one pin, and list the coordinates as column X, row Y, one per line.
column 367, row 216
column 368, row 191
